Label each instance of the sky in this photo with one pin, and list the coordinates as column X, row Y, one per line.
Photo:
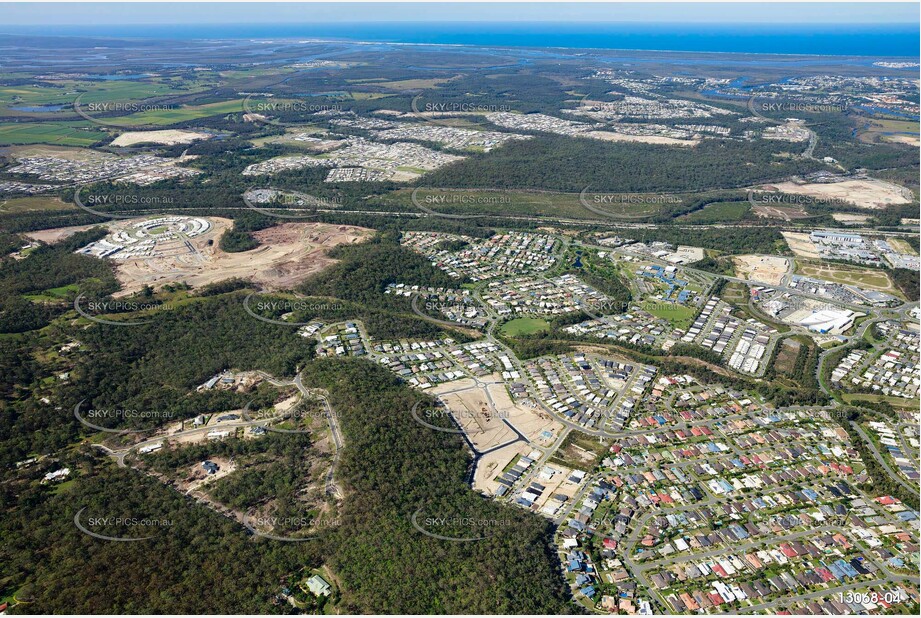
column 206, row 13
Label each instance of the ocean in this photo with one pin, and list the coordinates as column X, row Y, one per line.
column 877, row 40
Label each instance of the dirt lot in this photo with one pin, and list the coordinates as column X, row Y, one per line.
column 481, row 412
column 786, row 213
column 59, row 233
column 766, row 269
column 196, row 475
column 911, row 140
column 490, row 466
column 165, row 136
column 865, row 193
column 476, row 414
column 902, row 246
column 611, row 136
column 800, row 245
column 486, row 431
column 289, row 253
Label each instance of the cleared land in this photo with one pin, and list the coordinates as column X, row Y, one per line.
column 55, row 234
column 484, row 413
column 288, row 253
column 902, row 246
column 868, row 193
column 897, row 402
column 785, row 213
column 611, row 136
column 62, row 133
column 766, row 269
column 34, row 204
column 800, row 245
column 166, row 136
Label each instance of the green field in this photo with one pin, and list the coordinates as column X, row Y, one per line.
column 166, row 117
column 60, row 133
column 718, row 212
column 524, row 326
column 34, row 204
column 680, row 316
column 872, row 278
column 896, row 402
column 89, row 92
column 521, row 203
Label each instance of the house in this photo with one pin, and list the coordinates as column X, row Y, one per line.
column 318, row 586
column 210, row 467
column 57, row 475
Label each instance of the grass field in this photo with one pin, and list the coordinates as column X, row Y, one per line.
column 680, row 316
column 89, row 92
column 52, row 294
column 870, row 278
column 524, row 326
column 515, row 203
column 33, row 204
column 171, row 116
column 718, row 212
column 786, row 356
column 884, row 129
column 61, row 133
column 896, row 402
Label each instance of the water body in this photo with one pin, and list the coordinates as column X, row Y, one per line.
column 878, row 40
column 38, row 108
column 887, row 111
column 119, row 77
